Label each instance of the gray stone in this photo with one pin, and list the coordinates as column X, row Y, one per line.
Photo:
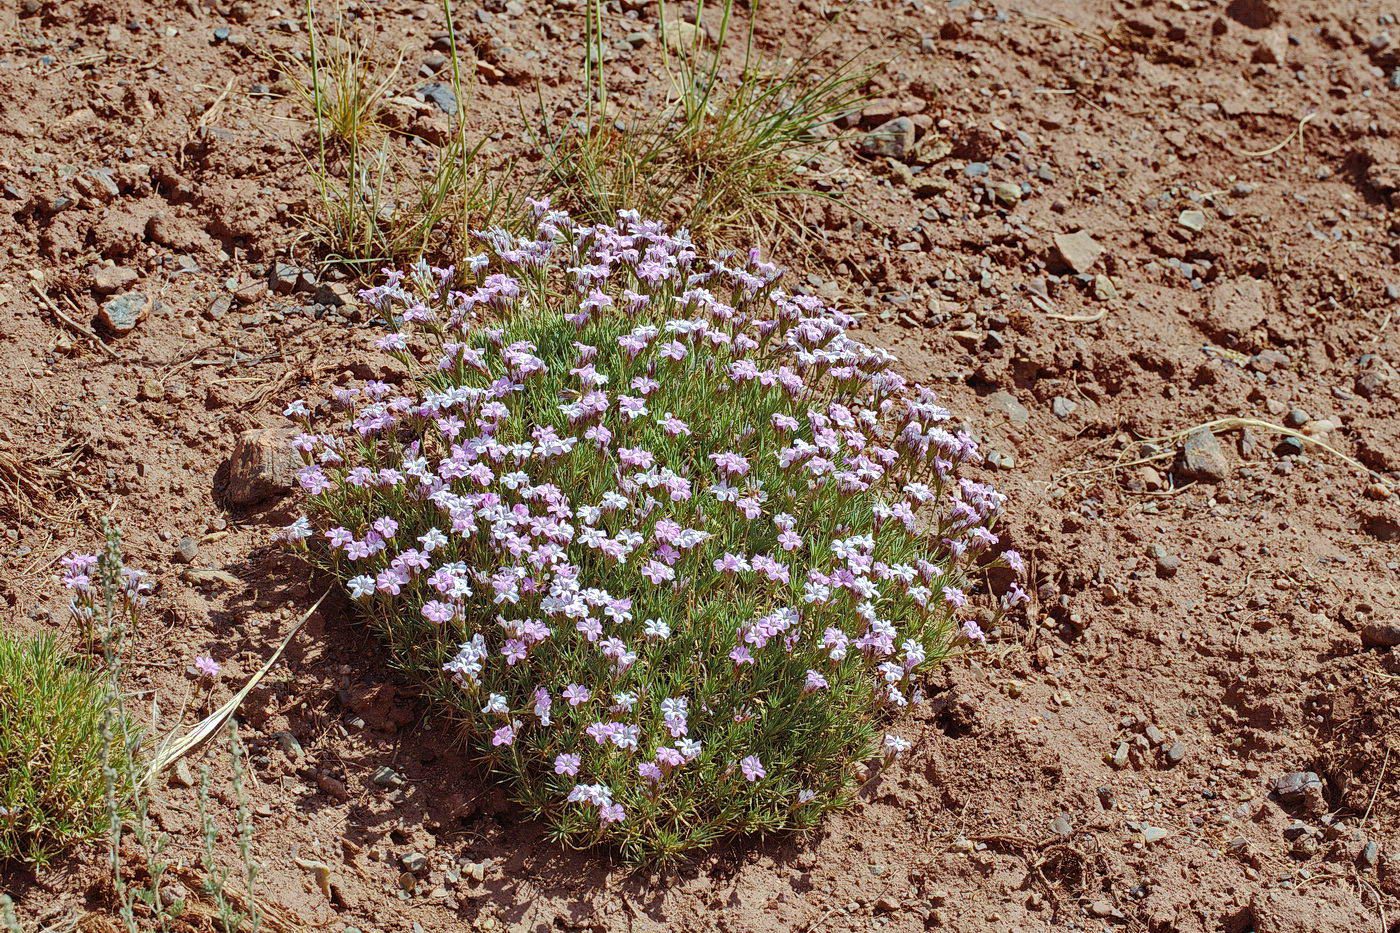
column 976, row 169
column 1297, row 785
column 290, row 744
column 1203, row 458
column 1154, row 735
column 282, row 277
column 1062, row 407
column 1151, row 834
column 415, row 862
column 1296, row 418
column 893, row 139
column 1001, row 461
column 1176, row 752
column 439, row 94
column 186, row 551
column 1007, row 404
column 121, row 314
column 1079, row 250
column 1370, row 855
column 386, row 776
column 263, row 465
column 1120, row 756
column 1061, row 826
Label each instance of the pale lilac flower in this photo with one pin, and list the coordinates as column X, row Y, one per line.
column 753, row 768
column 207, row 666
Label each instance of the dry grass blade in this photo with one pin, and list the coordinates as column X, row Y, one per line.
column 1234, row 424
column 1297, row 131
column 171, row 752
column 31, row 484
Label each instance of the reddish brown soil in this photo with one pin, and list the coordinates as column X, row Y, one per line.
column 1119, row 116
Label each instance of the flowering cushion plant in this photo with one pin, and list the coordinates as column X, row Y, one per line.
column 667, row 542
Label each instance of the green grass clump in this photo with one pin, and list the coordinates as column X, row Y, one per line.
column 727, row 155
column 57, row 736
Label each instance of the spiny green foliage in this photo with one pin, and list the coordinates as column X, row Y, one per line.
column 668, row 543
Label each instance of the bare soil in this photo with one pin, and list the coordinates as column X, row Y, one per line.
column 1239, row 604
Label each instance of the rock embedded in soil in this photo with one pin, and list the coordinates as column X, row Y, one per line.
column 1203, row 458
column 439, row 94
column 121, row 314
column 262, row 465
column 1234, row 308
column 1382, row 634
column 1296, row 785
column 186, row 551
column 1006, row 193
column 893, row 139
column 1192, row 220
column 109, row 279
column 1079, row 250
column 1007, row 404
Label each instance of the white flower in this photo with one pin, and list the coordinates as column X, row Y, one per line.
column 895, row 744
column 296, row 409
column 360, row 586
column 655, row 628
column 298, row 530
column 496, row 704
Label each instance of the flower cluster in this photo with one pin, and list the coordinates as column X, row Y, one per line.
column 105, row 593
column 666, row 540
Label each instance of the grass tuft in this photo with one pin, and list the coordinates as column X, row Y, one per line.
column 55, row 714
column 389, row 193
column 727, row 155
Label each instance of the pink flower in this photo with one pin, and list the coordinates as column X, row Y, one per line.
column 506, row 734
column 753, row 768
column 731, row 462
column 657, row 572
column 567, row 763
column 207, row 666
column 576, row 694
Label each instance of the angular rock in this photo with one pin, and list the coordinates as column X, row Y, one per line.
column 121, row 314
column 1203, row 458
column 109, row 279
column 681, row 36
column 1297, row 785
column 893, row 139
column 1256, row 14
column 1006, row 193
column 1192, row 220
column 263, row 465
column 1079, row 250
column 1007, row 404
